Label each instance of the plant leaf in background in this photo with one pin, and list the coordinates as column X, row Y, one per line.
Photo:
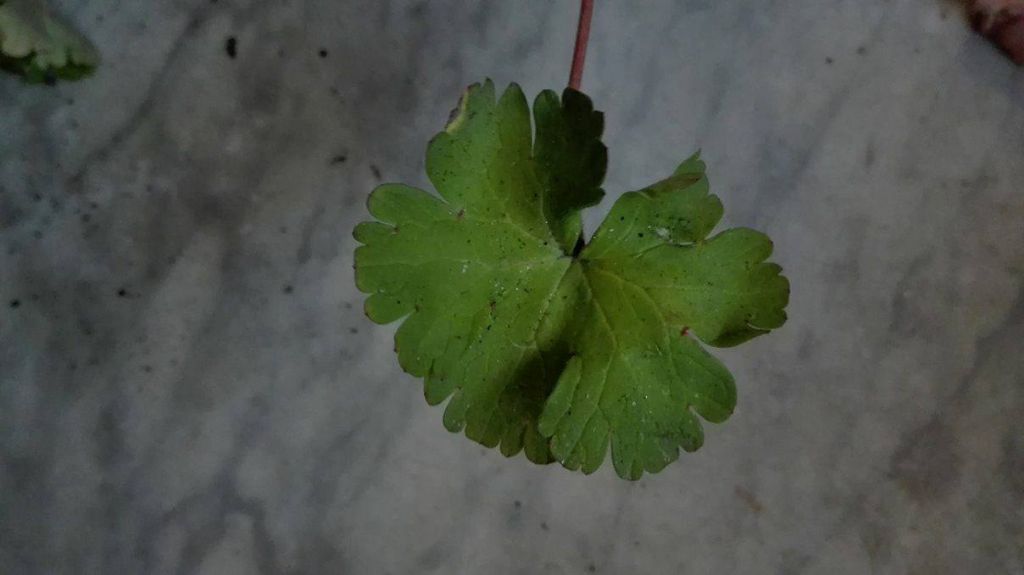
column 539, row 345
column 1002, row 22
column 40, row 48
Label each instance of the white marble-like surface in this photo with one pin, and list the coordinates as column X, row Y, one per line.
column 188, row 385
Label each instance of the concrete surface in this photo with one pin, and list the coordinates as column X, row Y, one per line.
column 188, row 384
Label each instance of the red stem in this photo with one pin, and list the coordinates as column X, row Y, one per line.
column 579, row 54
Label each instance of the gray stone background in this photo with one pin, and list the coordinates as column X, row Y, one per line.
column 188, row 385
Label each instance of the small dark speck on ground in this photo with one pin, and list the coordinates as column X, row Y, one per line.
column 37, row 235
column 376, row 171
column 288, row 289
column 339, row 159
column 348, row 305
column 543, row 525
column 829, row 60
column 86, row 218
column 147, row 368
column 861, row 50
column 591, row 568
column 517, row 503
column 419, row 9
column 15, row 303
column 323, row 53
column 122, row 292
column 231, row 47
column 353, row 330
column 749, row 498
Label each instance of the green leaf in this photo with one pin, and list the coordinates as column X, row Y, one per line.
column 539, row 346
column 40, row 48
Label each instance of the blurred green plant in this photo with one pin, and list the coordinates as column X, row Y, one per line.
column 40, row 48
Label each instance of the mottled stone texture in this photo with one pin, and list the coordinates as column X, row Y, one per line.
column 188, row 385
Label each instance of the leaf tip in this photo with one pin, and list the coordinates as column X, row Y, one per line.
column 693, row 165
